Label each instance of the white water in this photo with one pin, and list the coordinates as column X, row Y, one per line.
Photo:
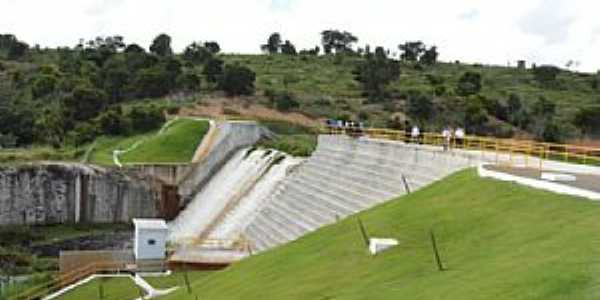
column 243, row 214
column 232, row 183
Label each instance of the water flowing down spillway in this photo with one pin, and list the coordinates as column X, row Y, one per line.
column 243, row 182
column 267, row 188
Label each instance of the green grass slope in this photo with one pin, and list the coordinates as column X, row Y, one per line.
column 114, row 289
column 498, row 240
column 176, row 144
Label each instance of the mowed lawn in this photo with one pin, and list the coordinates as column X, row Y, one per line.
column 175, row 144
column 176, row 279
column 114, row 289
column 102, row 154
column 497, row 240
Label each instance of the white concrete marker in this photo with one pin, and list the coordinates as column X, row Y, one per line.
column 558, row 177
column 377, row 245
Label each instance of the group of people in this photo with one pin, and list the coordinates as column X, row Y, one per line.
column 351, row 128
column 413, row 135
column 457, row 134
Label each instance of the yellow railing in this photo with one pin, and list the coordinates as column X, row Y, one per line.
column 503, row 150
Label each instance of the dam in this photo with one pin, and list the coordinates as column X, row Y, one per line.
column 233, row 199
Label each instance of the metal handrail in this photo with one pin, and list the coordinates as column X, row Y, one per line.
column 499, row 146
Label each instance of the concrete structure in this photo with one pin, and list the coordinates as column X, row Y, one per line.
column 47, row 193
column 377, row 245
column 150, row 239
column 524, row 177
column 343, row 176
column 229, row 138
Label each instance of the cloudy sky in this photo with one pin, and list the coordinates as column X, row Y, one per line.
column 488, row 31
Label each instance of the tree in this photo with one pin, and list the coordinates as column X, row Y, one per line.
column 161, row 45
column 430, row 56
column 43, row 85
column 13, row 48
column 340, row 41
column 375, row 72
column 151, row 82
column 544, row 108
column 475, row 114
column 412, row 51
column 288, row 48
column 420, row 106
column 17, row 50
column 113, row 122
column 115, row 78
column 213, row 70
column 85, row 103
column 514, row 103
column 134, row 48
column 188, row 82
column 273, row 44
column 237, row 80
column 100, row 49
column 196, row 53
column 588, row 119
column 546, row 75
column 315, row 51
column 213, row 47
column 285, row 101
column 146, row 118
column 469, row 84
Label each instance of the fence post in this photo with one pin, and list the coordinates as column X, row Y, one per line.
column 436, row 253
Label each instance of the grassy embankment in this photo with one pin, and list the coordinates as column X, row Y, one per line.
column 175, row 144
column 497, row 240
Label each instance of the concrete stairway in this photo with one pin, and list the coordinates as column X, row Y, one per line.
column 342, row 177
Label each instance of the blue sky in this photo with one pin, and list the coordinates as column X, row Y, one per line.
column 487, row 31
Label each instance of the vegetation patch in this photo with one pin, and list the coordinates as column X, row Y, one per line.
column 496, row 240
column 176, row 144
column 290, row 138
column 177, row 278
column 122, row 288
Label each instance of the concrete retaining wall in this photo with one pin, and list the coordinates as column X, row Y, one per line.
column 47, row 193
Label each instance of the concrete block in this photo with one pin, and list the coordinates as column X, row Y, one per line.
column 378, row 245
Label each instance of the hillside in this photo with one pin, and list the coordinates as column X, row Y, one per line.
column 68, row 97
column 497, row 240
column 326, row 87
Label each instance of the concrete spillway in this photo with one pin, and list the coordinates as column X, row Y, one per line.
column 345, row 176
column 219, row 210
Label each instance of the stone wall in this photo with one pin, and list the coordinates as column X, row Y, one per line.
column 46, row 193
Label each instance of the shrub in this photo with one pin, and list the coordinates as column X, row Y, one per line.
column 113, row 122
column 84, row 133
column 237, row 80
column 146, row 118
column 469, row 84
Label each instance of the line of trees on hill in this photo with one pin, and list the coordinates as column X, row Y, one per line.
column 76, row 93
column 73, row 94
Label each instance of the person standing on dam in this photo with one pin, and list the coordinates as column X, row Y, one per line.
column 459, row 136
column 447, row 136
column 415, row 134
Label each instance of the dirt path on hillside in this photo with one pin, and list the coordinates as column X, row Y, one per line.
column 234, row 108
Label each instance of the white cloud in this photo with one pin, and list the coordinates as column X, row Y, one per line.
column 543, row 31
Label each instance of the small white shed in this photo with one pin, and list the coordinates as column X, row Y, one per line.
column 150, row 238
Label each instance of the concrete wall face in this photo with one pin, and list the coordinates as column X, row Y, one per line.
column 69, row 193
column 232, row 136
column 344, row 176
